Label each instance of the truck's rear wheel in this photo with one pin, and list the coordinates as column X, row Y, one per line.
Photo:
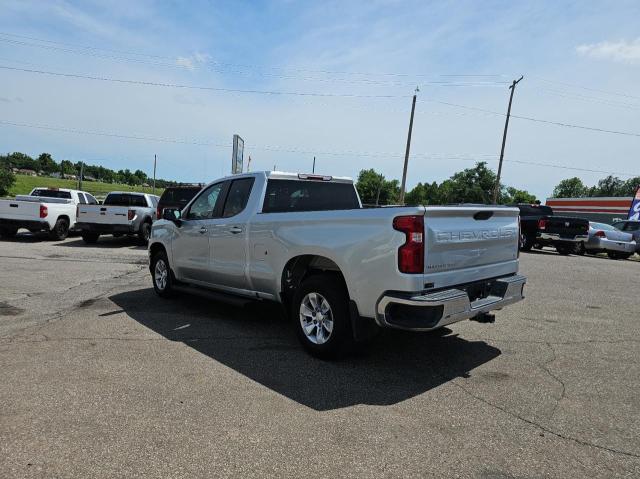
column 564, row 249
column 161, row 275
column 526, row 242
column 90, row 238
column 320, row 311
column 60, row 230
column 145, row 232
column 580, row 248
column 8, row 231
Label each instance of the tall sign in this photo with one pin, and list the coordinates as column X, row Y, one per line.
column 634, row 210
column 237, row 156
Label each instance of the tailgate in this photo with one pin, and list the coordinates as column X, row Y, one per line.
column 106, row 215
column 566, row 227
column 469, row 243
column 19, row 210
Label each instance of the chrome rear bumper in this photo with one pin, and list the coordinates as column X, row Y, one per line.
column 424, row 312
column 557, row 237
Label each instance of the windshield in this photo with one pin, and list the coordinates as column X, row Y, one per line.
column 602, row 226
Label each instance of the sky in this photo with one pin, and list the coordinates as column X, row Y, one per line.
column 329, row 79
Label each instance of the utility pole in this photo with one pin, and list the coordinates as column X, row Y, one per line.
column 313, row 170
column 496, row 190
column 154, row 173
column 249, row 164
column 379, row 188
column 406, row 154
column 81, row 175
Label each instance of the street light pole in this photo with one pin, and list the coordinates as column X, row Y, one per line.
column 496, row 189
column 406, row 153
column 154, row 173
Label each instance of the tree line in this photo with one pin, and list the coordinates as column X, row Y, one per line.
column 472, row 185
column 48, row 166
column 609, row 186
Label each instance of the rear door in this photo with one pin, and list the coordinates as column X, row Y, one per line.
column 190, row 246
column 466, row 243
column 229, row 238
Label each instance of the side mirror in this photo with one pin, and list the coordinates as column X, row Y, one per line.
column 172, row 214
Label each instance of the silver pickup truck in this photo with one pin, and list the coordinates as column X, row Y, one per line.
column 340, row 270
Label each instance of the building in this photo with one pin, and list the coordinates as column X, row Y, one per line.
column 602, row 210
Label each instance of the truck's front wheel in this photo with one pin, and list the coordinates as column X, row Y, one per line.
column 320, row 311
column 161, row 275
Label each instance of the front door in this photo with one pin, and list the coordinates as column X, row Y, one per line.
column 229, row 238
column 191, row 243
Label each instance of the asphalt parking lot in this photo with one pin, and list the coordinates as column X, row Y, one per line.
column 100, row 378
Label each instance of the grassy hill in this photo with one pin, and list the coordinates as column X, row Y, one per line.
column 24, row 184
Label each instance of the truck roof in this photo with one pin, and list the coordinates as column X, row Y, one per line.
column 286, row 175
column 137, row 193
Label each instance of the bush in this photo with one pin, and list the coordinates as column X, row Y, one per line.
column 7, row 179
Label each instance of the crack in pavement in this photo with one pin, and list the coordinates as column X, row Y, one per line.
column 540, row 426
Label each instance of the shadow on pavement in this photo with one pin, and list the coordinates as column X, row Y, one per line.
column 258, row 343
column 107, row 241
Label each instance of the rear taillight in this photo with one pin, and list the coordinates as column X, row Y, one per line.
column 542, row 224
column 131, row 214
column 411, row 253
column 519, row 237
column 159, row 212
column 600, row 234
column 44, row 211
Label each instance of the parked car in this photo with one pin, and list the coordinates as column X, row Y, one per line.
column 177, row 197
column 632, row 227
column 604, row 238
column 540, row 227
column 339, row 270
column 122, row 213
column 45, row 209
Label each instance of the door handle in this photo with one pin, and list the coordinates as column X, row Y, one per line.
column 235, row 230
column 203, row 230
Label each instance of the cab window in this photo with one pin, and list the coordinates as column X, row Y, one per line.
column 204, row 206
column 237, row 197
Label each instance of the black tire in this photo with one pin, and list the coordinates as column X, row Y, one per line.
column 90, row 238
column 145, row 232
column 60, row 230
column 580, row 249
column 327, row 289
column 564, row 250
column 526, row 243
column 162, row 289
column 8, row 232
column 617, row 255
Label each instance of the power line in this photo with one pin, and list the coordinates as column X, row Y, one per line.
column 366, row 154
column 196, row 87
column 175, row 63
column 249, row 66
column 597, row 90
column 538, row 120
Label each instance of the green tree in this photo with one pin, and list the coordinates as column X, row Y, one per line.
column 570, row 188
column 423, row 194
column 7, row 179
column 630, row 186
column 47, row 164
column 20, row 160
column 373, row 188
column 472, row 185
column 515, row 196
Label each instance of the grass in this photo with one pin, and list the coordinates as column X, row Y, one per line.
column 24, row 184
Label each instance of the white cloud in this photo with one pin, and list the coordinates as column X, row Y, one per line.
column 191, row 62
column 621, row 51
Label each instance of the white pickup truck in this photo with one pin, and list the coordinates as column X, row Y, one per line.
column 44, row 209
column 341, row 271
column 122, row 213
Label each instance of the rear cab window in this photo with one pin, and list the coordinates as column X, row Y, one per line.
column 124, row 199
column 535, row 210
column 304, row 195
column 44, row 193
